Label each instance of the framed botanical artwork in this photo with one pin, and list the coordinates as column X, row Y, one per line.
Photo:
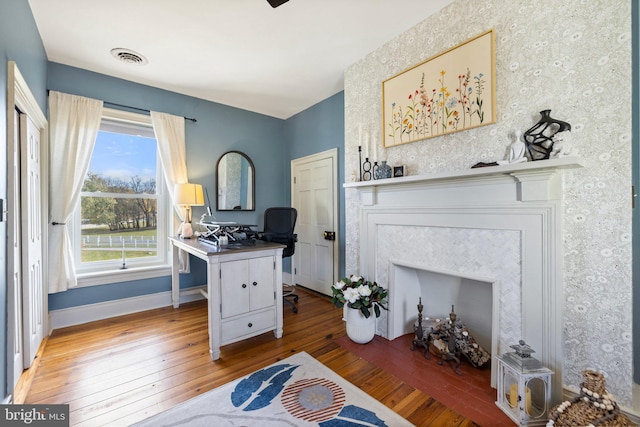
column 450, row 92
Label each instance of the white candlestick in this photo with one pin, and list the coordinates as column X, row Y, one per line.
column 375, row 147
column 123, row 256
column 360, row 134
column 366, row 144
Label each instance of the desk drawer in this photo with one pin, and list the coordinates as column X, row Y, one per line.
column 248, row 325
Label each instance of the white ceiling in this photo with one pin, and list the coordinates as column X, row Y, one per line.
column 241, row 53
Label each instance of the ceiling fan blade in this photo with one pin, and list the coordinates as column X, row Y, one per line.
column 276, row 3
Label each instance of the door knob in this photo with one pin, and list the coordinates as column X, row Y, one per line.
column 329, row 235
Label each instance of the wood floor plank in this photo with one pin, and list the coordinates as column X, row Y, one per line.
column 119, row 371
column 147, row 361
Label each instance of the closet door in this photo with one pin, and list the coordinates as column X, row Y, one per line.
column 27, row 163
column 32, row 267
column 14, row 253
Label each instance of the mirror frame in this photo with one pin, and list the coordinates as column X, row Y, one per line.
column 253, row 182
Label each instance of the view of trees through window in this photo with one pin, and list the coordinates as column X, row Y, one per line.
column 119, row 203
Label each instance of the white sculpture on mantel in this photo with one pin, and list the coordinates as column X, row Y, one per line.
column 562, row 146
column 517, row 151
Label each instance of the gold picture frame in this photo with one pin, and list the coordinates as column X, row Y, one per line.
column 425, row 101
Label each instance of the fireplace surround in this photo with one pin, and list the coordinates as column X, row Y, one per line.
column 502, row 224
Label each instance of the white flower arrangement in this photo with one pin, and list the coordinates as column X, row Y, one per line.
column 360, row 294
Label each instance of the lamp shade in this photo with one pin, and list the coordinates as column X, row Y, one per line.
column 188, row 195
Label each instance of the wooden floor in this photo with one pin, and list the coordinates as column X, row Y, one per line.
column 119, row 371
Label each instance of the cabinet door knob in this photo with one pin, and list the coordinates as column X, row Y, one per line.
column 255, row 283
column 250, row 325
column 244, row 285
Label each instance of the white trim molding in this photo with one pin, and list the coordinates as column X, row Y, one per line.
column 119, row 276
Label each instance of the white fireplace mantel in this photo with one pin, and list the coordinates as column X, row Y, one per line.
column 502, row 222
column 527, row 174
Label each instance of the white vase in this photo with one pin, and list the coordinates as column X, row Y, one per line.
column 360, row 329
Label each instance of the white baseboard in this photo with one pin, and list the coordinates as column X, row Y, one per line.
column 105, row 310
column 8, row 400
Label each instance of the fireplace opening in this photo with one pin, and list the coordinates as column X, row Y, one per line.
column 474, row 298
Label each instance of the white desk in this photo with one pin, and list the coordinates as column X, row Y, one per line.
column 244, row 289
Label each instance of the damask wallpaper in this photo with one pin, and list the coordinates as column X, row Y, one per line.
column 574, row 58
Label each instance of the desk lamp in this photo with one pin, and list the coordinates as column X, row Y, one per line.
column 188, row 195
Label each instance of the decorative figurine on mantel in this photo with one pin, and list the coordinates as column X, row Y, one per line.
column 517, row 151
column 541, row 142
column 563, row 146
column 539, row 139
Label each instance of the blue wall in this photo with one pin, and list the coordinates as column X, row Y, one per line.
column 19, row 42
column 270, row 142
column 316, row 129
column 219, row 128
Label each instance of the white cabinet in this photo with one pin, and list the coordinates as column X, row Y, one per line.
column 244, row 289
column 248, row 297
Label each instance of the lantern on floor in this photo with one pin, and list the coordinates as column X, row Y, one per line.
column 524, row 386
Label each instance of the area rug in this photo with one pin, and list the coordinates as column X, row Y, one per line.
column 297, row 391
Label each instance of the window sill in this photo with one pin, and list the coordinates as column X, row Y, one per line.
column 118, row 276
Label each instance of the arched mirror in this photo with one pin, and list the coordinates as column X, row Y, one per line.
column 235, row 176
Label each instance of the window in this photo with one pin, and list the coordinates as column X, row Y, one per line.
column 121, row 221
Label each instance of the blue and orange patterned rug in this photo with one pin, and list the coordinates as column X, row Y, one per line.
column 297, row 391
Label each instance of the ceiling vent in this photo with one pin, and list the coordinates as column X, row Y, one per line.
column 129, row 56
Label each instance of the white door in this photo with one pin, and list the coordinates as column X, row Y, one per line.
column 314, row 195
column 14, row 256
column 26, row 160
column 32, row 270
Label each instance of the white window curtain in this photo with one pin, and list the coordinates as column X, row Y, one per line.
column 169, row 131
column 73, row 126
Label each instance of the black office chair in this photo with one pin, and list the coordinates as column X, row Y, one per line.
column 279, row 226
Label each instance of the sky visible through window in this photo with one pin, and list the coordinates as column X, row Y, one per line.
column 123, row 156
column 113, row 228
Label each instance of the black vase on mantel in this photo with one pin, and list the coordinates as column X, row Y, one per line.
column 539, row 138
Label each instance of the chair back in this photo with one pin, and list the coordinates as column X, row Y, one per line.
column 279, row 226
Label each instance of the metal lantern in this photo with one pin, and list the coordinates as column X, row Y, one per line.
column 524, row 386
